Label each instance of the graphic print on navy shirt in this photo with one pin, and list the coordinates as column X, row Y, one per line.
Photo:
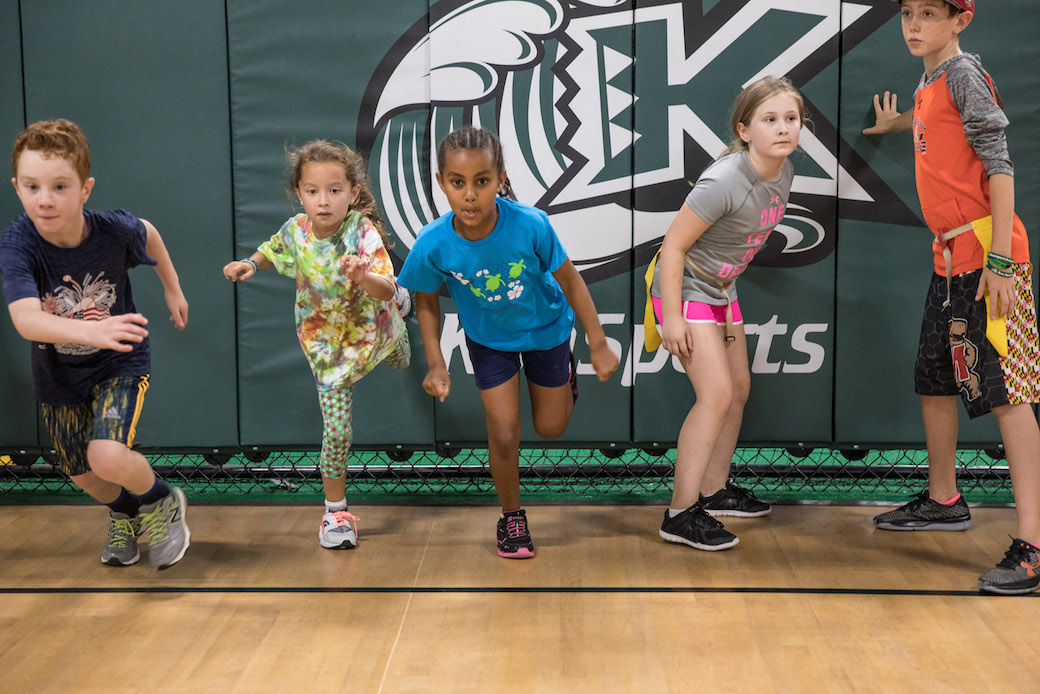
column 88, row 282
column 91, row 300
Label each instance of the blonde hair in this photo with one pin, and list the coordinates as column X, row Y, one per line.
column 753, row 96
column 320, row 151
column 60, row 138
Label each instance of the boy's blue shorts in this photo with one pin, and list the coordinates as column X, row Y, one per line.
column 110, row 413
column 548, row 368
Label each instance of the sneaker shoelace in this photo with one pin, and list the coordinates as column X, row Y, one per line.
column 737, row 489
column 516, row 527
column 1016, row 556
column 154, row 523
column 344, row 518
column 120, row 531
column 712, row 522
column 707, row 520
column 918, row 501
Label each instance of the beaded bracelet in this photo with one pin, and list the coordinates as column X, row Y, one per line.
column 256, row 268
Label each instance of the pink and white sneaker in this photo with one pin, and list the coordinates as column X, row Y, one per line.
column 338, row 530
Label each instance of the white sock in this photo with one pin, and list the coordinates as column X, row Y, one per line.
column 673, row 512
column 333, row 506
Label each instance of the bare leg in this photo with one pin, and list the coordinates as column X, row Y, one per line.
column 1021, row 435
column 698, row 437
column 113, row 462
column 502, row 414
column 717, row 473
column 551, row 409
column 335, row 487
column 940, row 431
column 102, row 490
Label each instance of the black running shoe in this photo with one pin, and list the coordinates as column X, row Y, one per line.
column 732, row 500
column 1018, row 573
column 694, row 527
column 514, row 540
column 923, row 513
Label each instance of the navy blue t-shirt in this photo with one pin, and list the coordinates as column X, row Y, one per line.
column 88, row 282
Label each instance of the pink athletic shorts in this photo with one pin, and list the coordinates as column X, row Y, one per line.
column 700, row 312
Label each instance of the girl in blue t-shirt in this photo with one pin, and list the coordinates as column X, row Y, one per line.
column 517, row 295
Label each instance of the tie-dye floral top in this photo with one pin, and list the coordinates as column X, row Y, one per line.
column 343, row 331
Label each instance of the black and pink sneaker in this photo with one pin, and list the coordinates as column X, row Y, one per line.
column 514, row 541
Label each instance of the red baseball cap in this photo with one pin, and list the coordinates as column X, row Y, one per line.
column 966, row 5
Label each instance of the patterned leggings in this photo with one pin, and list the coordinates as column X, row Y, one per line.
column 338, row 431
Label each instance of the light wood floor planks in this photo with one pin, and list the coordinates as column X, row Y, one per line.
column 812, row 600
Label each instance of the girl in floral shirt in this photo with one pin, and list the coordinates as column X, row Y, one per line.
column 346, row 316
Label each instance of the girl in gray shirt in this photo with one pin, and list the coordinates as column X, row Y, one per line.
column 725, row 220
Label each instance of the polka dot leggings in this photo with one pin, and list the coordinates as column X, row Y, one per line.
column 339, row 432
column 335, row 411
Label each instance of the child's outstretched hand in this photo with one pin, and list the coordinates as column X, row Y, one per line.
column 437, row 383
column 238, row 270
column 604, row 361
column 887, row 116
column 355, row 268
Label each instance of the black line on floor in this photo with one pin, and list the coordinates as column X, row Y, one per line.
column 647, row 590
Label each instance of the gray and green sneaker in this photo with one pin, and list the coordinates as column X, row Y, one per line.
column 1017, row 573
column 121, row 544
column 164, row 523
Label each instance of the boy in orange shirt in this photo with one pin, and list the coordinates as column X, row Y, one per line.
column 979, row 335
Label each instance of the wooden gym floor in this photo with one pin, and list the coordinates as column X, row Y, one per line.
column 812, row 600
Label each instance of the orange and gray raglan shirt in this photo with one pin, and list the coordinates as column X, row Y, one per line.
column 958, row 144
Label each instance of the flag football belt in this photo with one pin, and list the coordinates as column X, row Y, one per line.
column 996, row 328
column 652, row 338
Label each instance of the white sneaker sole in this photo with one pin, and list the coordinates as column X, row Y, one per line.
column 346, row 544
column 182, row 501
column 112, row 561
column 679, row 539
column 961, row 525
column 739, row 514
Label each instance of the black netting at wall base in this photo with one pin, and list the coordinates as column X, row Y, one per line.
column 583, row 475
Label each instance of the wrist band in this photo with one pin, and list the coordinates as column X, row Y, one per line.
column 1001, row 261
column 999, row 271
column 256, row 268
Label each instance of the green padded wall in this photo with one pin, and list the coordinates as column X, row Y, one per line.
column 147, row 81
column 189, row 111
column 884, row 264
column 297, row 73
column 17, row 405
column 787, row 307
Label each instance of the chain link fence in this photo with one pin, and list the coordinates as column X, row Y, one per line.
column 588, row 475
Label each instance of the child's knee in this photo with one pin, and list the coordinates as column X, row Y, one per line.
column 551, row 427
column 504, row 434
column 741, row 393
column 719, row 398
column 107, row 458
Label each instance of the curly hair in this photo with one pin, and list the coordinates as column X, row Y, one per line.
column 319, row 151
